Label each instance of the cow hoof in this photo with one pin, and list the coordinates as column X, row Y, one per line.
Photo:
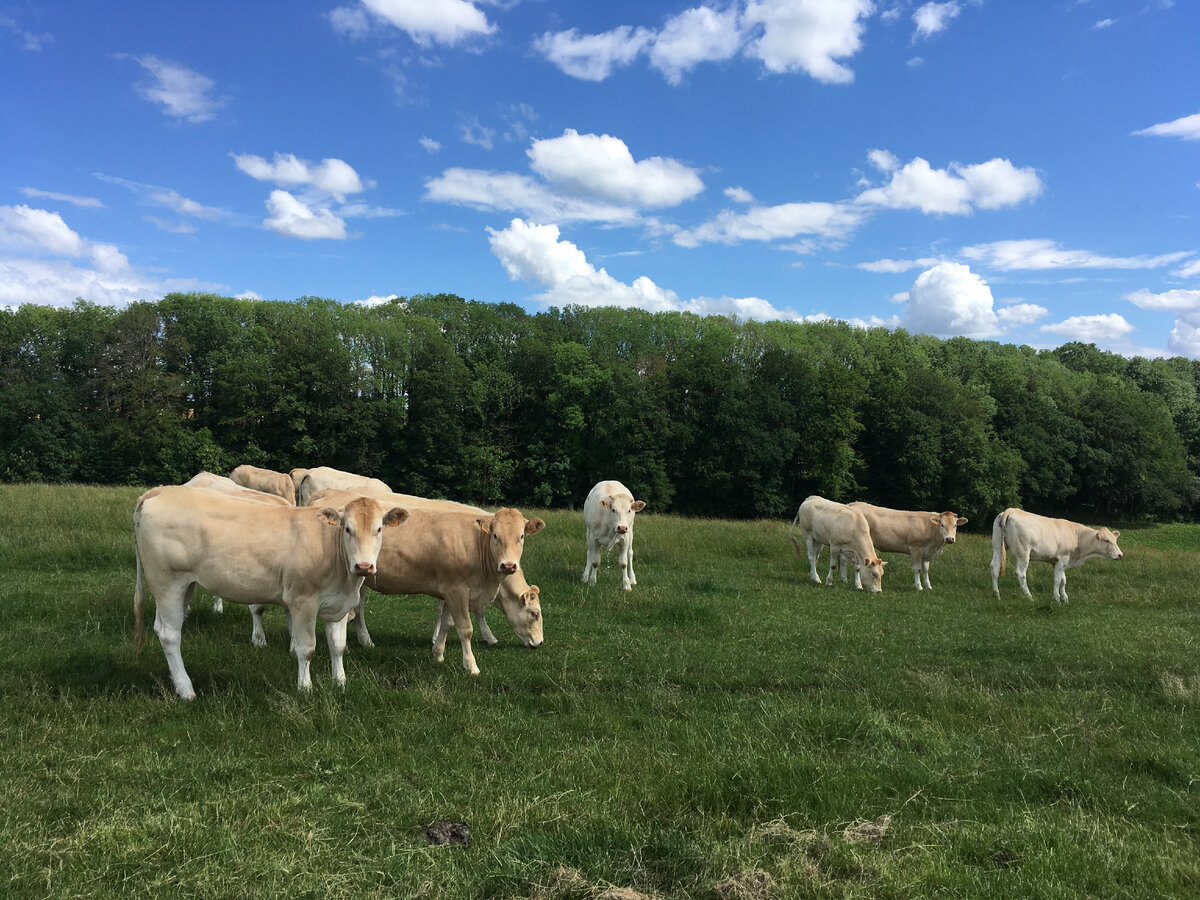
column 492, row 641
column 259, row 640
column 474, row 670
column 367, row 644
column 629, row 587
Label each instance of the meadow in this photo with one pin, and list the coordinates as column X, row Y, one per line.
column 725, row 730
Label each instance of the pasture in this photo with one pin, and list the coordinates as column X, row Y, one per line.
column 726, row 730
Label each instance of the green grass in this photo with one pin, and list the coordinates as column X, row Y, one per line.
column 716, row 733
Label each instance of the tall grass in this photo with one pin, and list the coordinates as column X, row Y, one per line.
column 725, row 730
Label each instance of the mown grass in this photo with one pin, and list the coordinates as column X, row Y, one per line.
column 723, row 731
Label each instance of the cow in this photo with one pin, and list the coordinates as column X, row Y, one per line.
column 1066, row 544
column 845, row 530
column 518, row 600
column 207, row 481
column 265, row 480
column 922, row 535
column 310, row 561
column 323, row 478
column 608, row 514
column 297, row 476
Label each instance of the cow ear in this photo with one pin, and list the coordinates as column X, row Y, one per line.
column 962, row 520
column 533, row 526
column 530, row 595
column 1116, row 535
column 330, row 515
column 882, row 562
column 605, row 503
column 935, row 519
column 484, row 525
column 638, row 505
column 395, row 516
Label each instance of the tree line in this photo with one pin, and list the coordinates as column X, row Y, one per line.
column 489, row 404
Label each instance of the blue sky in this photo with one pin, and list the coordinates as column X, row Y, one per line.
column 1023, row 171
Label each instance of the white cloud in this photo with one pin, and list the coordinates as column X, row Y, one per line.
column 73, row 199
column 915, row 62
column 171, row 199
column 535, row 254
column 510, row 192
column 429, row 145
column 30, row 40
column 38, row 230
column 377, row 300
column 1103, row 328
column 171, row 227
column 950, row 300
column 739, row 195
column 291, row 217
column 181, row 92
column 1184, row 338
column 1046, row 254
column 1103, row 23
column 955, row 190
column 931, row 18
column 1187, row 128
column 1192, row 268
column 447, row 22
column 592, row 57
column 894, row 266
column 1021, row 314
column 601, row 166
column 767, row 223
column 884, row 160
column 694, row 36
column 473, row 133
column 248, row 295
column 807, row 35
column 331, row 177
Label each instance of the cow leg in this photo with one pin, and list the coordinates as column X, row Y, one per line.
column 1060, row 580
column 169, row 612
column 304, row 642
column 484, row 632
column 834, row 553
column 218, row 604
column 844, row 562
column 440, row 629
column 629, row 556
column 459, row 607
column 625, row 559
column 593, row 561
column 360, row 619
column 925, row 574
column 187, row 597
column 335, row 637
column 258, row 636
column 1022, row 567
column 814, row 550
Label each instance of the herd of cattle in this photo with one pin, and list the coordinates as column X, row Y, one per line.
column 313, row 541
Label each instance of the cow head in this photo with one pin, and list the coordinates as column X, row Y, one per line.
column 522, row 609
column 362, row 523
column 949, row 523
column 620, row 509
column 871, row 573
column 505, row 533
column 1108, row 543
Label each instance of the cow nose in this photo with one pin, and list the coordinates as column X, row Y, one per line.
column 533, row 644
column 1120, row 556
column 508, row 567
column 622, row 529
column 364, row 568
column 949, row 540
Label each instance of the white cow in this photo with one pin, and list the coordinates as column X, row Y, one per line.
column 1064, row 543
column 608, row 513
column 310, row 561
column 845, row 530
column 324, row 478
column 266, row 480
column 922, row 535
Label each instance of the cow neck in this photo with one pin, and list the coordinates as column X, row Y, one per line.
column 485, row 551
column 341, row 560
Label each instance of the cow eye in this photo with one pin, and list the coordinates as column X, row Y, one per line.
column 348, row 529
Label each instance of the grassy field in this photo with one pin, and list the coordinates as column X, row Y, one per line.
column 727, row 730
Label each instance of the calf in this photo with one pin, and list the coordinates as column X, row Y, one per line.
column 312, row 562
column 845, row 530
column 608, row 514
column 1064, row 543
column 922, row 535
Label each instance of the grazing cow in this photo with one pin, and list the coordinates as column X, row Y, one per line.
column 310, row 561
column 608, row 513
column 922, row 535
column 517, row 599
column 845, row 530
column 323, row 478
column 1064, row 543
column 207, row 481
column 265, row 480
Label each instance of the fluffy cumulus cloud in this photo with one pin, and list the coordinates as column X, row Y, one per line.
column 427, row 22
column 581, row 177
column 1184, row 339
column 1046, row 254
column 1187, row 128
column 831, row 221
column 43, row 260
column 1102, row 328
column 332, row 177
column 536, row 254
column 1021, row 314
column 950, row 300
column 930, row 18
column 291, row 217
column 182, row 93
column 807, row 36
column 955, row 190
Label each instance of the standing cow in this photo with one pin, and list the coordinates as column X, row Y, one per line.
column 265, row 480
column 1064, row 543
column 310, row 561
column 608, row 513
column 845, row 530
column 922, row 535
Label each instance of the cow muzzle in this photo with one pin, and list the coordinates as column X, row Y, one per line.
column 949, row 540
column 364, row 568
column 508, row 568
column 622, row 529
column 532, row 644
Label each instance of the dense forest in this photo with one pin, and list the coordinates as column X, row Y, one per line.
column 487, row 403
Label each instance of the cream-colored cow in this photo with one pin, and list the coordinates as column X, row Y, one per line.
column 324, row 478
column 310, row 561
column 845, row 530
column 922, row 535
column 1059, row 541
column 608, row 514
column 265, row 480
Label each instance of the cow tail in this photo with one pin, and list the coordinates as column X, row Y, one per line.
column 999, row 539
column 792, row 533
